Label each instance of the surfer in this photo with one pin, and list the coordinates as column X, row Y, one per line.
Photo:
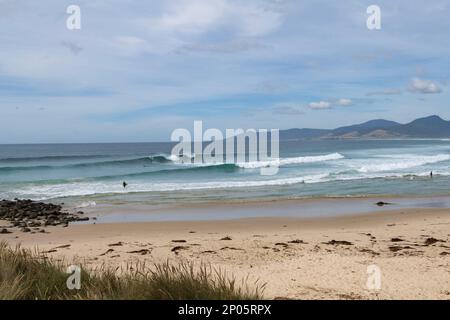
column 431, row 174
column 124, row 184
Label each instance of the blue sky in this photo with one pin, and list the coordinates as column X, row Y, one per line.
column 137, row 70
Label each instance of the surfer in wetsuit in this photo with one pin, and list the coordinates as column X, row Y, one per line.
column 431, row 174
column 124, row 184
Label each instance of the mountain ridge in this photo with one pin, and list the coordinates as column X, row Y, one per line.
column 426, row 127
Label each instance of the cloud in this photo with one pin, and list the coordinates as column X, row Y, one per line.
column 386, row 92
column 321, row 105
column 240, row 53
column 287, row 110
column 345, row 102
column 424, row 86
column 196, row 17
column 191, row 17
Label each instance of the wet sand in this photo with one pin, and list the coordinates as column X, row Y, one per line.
column 324, row 207
column 298, row 258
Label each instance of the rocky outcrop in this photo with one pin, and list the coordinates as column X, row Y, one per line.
column 31, row 216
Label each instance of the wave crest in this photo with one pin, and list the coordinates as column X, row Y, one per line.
column 288, row 161
column 403, row 163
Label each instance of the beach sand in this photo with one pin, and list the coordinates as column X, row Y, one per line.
column 296, row 258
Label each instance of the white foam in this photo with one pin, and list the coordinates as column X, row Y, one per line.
column 84, row 189
column 173, row 158
column 288, row 161
column 87, row 204
column 402, row 162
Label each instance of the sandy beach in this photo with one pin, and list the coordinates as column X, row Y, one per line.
column 297, row 258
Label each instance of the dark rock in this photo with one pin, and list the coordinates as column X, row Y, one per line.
column 398, row 248
column 209, row 251
column 27, row 214
column 297, row 241
column 117, row 244
column 233, row 248
column 141, row 252
column 4, row 231
column 226, row 238
column 335, row 242
column 382, row 203
column 281, row 244
column 178, row 248
column 430, row 241
column 107, row 251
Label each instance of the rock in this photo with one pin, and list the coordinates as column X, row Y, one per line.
column 382, row 203
column 233, row 248
column 209, row 251
column 107, row 252
column 397, row 240
column 141, row 252
column 4, row 231
column 226, row 238
column 335, row 242
column 281, row 244
column 398, row 248
column 25, row 229
column 25, row 214
column 178, row 248
column 297, row 241
column 117, row 244
column 430, row 241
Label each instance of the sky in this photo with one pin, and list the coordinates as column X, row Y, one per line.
column 137, row 70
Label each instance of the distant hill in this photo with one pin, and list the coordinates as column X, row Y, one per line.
column 428, row 127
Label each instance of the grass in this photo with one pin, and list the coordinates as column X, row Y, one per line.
column 30, row 275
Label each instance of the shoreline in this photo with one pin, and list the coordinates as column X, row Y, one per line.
column 323, row 207
column 298, row 258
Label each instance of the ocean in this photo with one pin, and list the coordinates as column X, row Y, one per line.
column 93, row 173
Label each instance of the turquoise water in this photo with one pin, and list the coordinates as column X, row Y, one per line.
column 94, row 172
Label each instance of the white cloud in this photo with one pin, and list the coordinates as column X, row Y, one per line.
column 344, row 102
column 423, row 86
column 194, row 17
column 320, row 105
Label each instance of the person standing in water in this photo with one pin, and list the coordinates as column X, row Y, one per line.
column 431, row 174
column 124, row 184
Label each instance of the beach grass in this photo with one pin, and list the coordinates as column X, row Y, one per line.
column 31, row 275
